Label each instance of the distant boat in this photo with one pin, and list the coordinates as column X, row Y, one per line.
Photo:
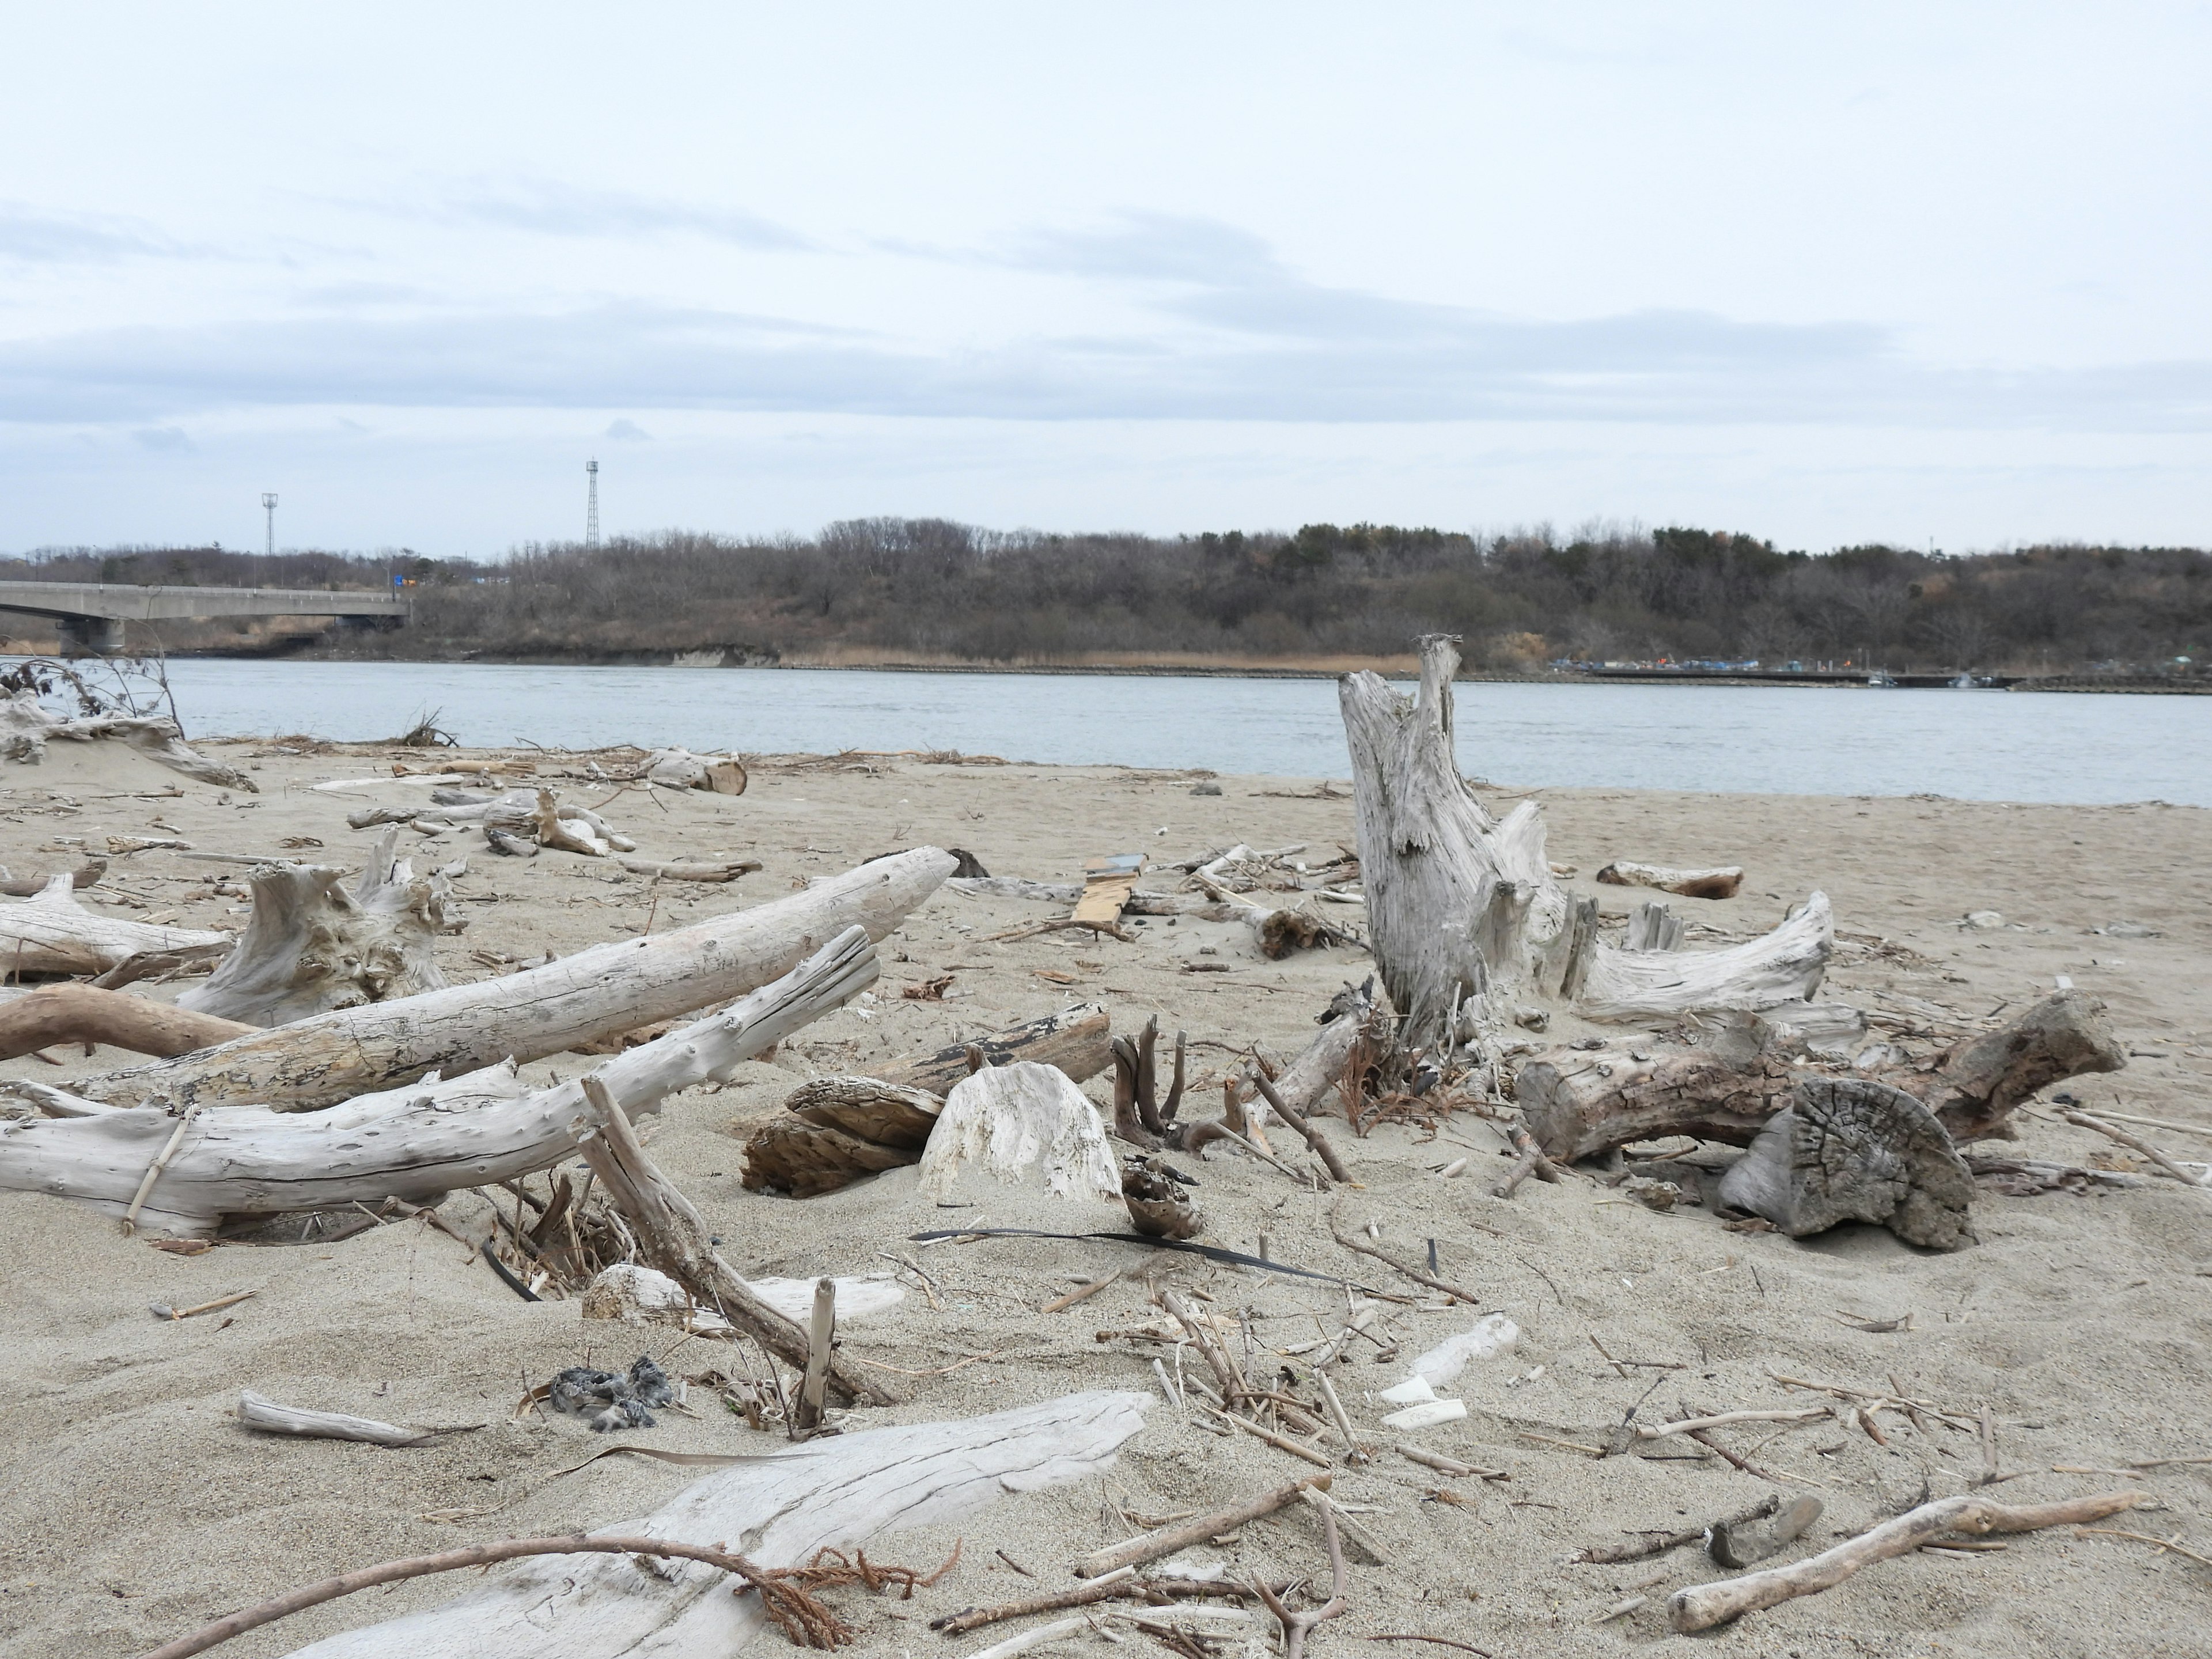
column 1966, row 683
column 1880, row 677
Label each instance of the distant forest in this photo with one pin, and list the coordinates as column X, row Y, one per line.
column 928, row 590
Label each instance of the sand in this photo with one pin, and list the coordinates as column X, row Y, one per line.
column 134, row 1508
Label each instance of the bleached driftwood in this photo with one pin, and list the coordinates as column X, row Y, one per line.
column 260, row 1412
column 679, row 769
column 726, row 870
column 1701, row 1607
column 829, row 1494
column 674, row 1239
column 53, row 934
column 607, row 989
column 73, row 1012
column 1138, row 903
column 1848, row 1149
column 26, row 728
column 85, row 875
column 1579, row 1105
column 418, row 1142
column 1716, row 884
column 1023, row 1125
column 312, row 943
column 1465, row 916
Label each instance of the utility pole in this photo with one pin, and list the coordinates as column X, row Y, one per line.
column 269, row 506
column 591, row 502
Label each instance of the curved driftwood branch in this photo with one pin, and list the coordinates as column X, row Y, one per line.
column 542, row 1010
column 1703, row 1606
column 87, row 874
column 312, row 945
column 26, row 728
column 829, row 1494
column 73, row 1012
column 1779, row 967
column 52, row 934
column 416, row 1142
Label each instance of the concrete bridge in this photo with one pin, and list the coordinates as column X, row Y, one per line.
column 91, row 615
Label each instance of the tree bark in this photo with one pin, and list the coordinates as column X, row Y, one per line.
column 311, row 944
column 52, row 934
column 1850, row 1149
column 416, row 1142
column 542, row 1010
column 83, row 1013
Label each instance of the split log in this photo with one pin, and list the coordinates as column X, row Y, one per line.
column 26, row 728
column 1580, row 1104
column 841, row 1130
column 1850, row 1149
column 1465, row 916
column 1716, row 884
column 830, row 1494
column 675, row 1241
column 311, row 945
column 72, row 1013
column 85, row 875
column 415, row 1143
column 607, row 989
column 1074, row 1040
column 52, row 934
column 1021, row 1125
column 1701, row 1607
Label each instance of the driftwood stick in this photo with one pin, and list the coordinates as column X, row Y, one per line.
column 821, row 1338
column 1166, row 1540
column 1312, row 1137
column 259, row 1412
column 1208, row 1343
column 84, row 1013
column 476, row 1555
column 1120, row 1585
column 1416, row 1274
column 1281, row 1442
column 1296, row 1624
column 1691, row 1426
column 2083, row 1119
column 1703, row 1606
column 1659, row 1543
column 153, row 1170
column 674, row 1239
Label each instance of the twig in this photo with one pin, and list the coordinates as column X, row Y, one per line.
column 1296, row 1624
column 1691, row 1426
column 161, row 1163
column 791, row 1607
column 1082, row 1292
column 1411, row 1272
column 2145, row 1538
column 1279, row 1442
column 1312, row 1137
column 1166, row 1540
column 1701, row 1607
column 2082, row 1120
column 1441, row 1641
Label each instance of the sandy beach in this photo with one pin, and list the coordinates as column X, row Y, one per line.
column 136, row 1508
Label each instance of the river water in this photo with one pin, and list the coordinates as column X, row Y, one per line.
column 1986, row 745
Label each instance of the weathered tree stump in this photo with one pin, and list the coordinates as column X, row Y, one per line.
column 1851, row 1149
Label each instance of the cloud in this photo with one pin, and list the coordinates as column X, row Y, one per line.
column 162, row 437
column 35, row 236
column 626, row 431
column 552, row 209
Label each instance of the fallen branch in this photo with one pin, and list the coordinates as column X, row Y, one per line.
column 2084, row 1120
column 1701, row 1607
column 73, row 1012
column 259, row 1412
column 1411, row 1272
column 1296, row 1626
column 1166, row 1540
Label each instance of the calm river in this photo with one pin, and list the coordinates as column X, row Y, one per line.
column 1990, row 745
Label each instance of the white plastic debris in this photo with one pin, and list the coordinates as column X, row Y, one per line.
column 1413, row 1391
column 1425, row 1416
column 1489, row 1336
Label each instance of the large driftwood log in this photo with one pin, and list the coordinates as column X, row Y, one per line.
column 829, row 1494
column 73, row 1012
column 1579, row 1105
column 418, row 1142
column 1076, row 1040
column 597, row 993
column 52, row 934
column 1464, row 915
column 1850, row 1149
column 312, row 943
column 26, row 729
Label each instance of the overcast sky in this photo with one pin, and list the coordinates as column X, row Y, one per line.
column 1827, row 274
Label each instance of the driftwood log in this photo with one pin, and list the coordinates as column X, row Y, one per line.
column 679, row 769
column 416, row 1142
column 73, row 1012
column 606, row 990
column 312, row 943
column 843, row 1130
column 26, row 728
column 1465, row 917
column 85, row 875
column 1851, row 1149
column 259, row 1412
column 1716, row 884
column 1579, row 1105
column 52, row 934
column 829, row 1494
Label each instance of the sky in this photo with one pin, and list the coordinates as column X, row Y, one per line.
column 1926, row 275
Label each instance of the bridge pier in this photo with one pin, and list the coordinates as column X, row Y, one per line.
column 89, row 637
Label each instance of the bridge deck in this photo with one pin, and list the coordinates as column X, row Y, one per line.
column 121, row 602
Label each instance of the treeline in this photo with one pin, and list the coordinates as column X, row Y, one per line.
column 925, row 589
